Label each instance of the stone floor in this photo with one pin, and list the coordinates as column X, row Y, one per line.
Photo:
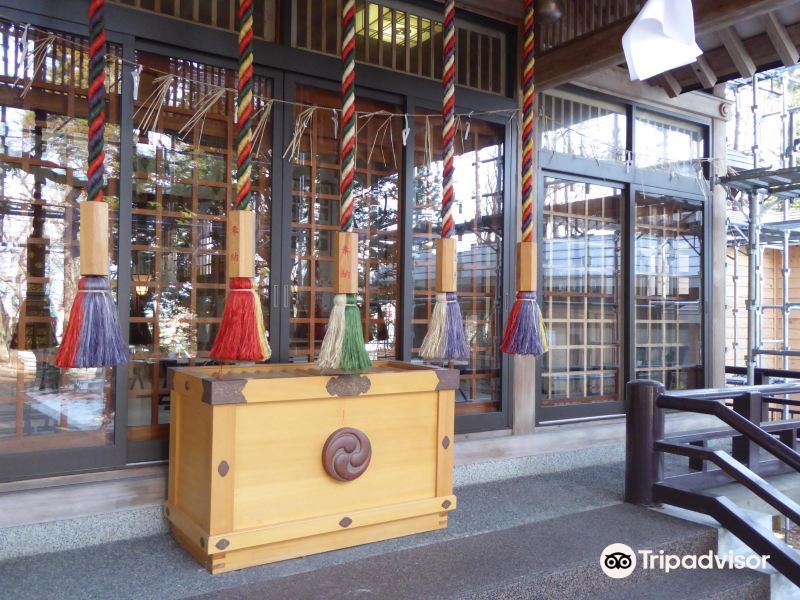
column 76, row 511
column 155, row 567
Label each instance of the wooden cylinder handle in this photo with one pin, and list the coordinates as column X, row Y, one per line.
column 93, row 238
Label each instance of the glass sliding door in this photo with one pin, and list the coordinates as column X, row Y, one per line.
column 582, row 299
column 51, row 419
column 669, row 291
column 479, row 231
column 183, row 186
column 314, row 218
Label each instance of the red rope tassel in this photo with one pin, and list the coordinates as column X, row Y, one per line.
column 241, row 336
column 65, row 357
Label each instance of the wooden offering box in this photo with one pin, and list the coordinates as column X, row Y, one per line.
column 271, row 462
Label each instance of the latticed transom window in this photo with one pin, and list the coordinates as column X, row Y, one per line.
column 214, row 13
column 572, row 123
column 403, row 41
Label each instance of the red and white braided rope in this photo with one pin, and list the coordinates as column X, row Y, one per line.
column 348, row 141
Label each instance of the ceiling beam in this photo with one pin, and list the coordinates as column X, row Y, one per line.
column 758, row 47
column 670, row 84
column 704, row 73
column 737, row 51
column 781, row 41
column 603, row 48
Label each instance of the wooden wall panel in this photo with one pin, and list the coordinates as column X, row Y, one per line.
column 772, row 323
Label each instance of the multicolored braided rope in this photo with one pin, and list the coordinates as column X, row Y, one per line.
column 348, row 141
column 445, row 340
column 244, row 117
column 526, row 332
column 448, row 116
column 241, row 334
column 92, row 337
column 97, row 100
column 527, row 123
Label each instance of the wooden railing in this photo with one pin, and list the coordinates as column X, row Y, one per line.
column 580, row 17
column 646, row 447
column 782, row 409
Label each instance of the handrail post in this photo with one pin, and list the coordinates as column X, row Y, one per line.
column 644, row 425
column 752, row 408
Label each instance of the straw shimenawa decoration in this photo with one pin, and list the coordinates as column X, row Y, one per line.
column 92, row 337
column 525, row 331
column 242, row 335
column 445, row 338
column 343, row 346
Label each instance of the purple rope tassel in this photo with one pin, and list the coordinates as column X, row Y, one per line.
column 525, row 332
column 101, row 342
column 454, row 345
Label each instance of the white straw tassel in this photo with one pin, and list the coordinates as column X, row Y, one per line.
column 434, row 339
column 330, row 354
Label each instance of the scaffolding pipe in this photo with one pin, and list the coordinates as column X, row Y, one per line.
column 786, row 136
column 735, row 302
column 784, row 128
column 785, row 273
column 752, row 288
column 788, row 306
column 765, row 198
column 792, row 353
column 754, row 243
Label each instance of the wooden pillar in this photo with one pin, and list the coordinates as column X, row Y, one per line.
column 523, row 369
column 717, row 213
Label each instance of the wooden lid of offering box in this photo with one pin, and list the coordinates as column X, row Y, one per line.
column 245, row 384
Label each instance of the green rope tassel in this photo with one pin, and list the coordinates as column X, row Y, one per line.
column 354, row 354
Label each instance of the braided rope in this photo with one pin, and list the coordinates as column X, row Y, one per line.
column 97, row 100
column 527, row 124
column 448, row 116
column 244, row 116
column 347, row 154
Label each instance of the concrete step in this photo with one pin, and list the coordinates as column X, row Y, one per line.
column 532, row 537
column 80, row 511
column 89, row 513
column 553, row 559
column 780, row 588
column 481, row 508
column 695, row 585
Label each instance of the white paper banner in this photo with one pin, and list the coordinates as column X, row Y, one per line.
column 661, row 38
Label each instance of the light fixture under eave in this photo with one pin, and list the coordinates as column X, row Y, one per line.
column 547, row 11
column 661, row 38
